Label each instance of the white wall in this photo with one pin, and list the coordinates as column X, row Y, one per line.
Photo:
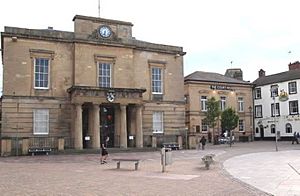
column 284, row 117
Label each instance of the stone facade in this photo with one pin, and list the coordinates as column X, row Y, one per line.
column 74, row 99
column 201, row 86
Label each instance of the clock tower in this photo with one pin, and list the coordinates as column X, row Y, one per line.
column 100, row 28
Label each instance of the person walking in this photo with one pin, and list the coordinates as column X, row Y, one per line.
column 295, row 139
column 203, row 142
column 104, row 152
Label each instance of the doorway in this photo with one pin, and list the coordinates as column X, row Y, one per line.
column 107, row 125
column 262, row 133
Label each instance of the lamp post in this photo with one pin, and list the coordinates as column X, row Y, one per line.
column 251, row 120
column 273, row 93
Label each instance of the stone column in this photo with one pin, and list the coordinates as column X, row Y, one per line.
column 154, row 142
column 78, row 127
column 139, row 127
column 61, row 144
column 25, row 146
column 123, row 131
column 96, row 127
column 117, row 127
column 179, row 141
column 90, row 127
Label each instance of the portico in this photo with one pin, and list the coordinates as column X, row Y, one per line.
column 120, row 110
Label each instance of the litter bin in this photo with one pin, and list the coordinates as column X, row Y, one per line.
column 166, row 157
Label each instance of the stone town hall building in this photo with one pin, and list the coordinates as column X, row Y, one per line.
column 73, row 89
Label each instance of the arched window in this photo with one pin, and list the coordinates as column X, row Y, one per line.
column 256, row 130
column 273, row 128
column 288, row 128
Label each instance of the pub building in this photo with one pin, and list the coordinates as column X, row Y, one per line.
column 230, row 90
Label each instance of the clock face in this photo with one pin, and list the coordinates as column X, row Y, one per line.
column 105, row 31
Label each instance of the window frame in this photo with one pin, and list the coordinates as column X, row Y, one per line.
column 241, row 125
column 290, row 127
column 161, row 80
column 272, row 128
column 158, row 123
column 36, row 115
column 222, row 103
column 274, row 90
column 256, row 111
column 203, row 102
column 277, row 109
column 241, row 104
column 204, row 127
column 295, row 87
column 294, row 113
column 100, row 78
column 256, row 93
column 40, row 73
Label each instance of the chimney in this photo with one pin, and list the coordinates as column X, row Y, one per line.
column 261, row 73
column 295, row 65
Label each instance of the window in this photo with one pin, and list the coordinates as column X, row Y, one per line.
column 104, row 75
column 273, row 128
column 293, row 107
column 277, row 110
column 156, row 76
column 258, row 111
column 274, row 90
column 203, row 103
column 41, row 73
column 288, row 128
column 158, row 122
column 41, row 121
column 241, row 104
column 292, row 87
column 223, row 103
column 258, row 93
column 241, row 125
column 197, row 128
column 204, row 126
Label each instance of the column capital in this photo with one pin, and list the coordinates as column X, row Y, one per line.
column 95, row 105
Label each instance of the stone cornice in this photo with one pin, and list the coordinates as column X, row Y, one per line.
column 69, row 37
column 94, row 88
column 97, row 19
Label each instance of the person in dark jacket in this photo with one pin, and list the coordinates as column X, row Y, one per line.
column 203, row 142
column 295, row 139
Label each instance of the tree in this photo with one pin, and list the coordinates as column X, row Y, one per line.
column 229, row 121
column 212, row 114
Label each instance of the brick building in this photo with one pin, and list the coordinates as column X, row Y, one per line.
column 229, row 91
column 73, row 89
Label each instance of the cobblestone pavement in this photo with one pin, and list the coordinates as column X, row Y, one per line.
column 83, row 174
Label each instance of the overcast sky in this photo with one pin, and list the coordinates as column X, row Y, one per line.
column 252, row 34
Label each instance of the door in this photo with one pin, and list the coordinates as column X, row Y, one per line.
column 262, row 133
column 107, row 125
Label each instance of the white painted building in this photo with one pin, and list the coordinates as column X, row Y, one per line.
column 283, row 91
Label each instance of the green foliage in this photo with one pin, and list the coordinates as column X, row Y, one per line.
column 213, row 112
column 229, row 119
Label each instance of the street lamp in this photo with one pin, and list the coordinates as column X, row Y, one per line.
column 273, row 89
column 251, row 123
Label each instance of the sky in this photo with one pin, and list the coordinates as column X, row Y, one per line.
column 215, row 34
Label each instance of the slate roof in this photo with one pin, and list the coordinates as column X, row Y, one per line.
column 279, row 77
column 212, row 77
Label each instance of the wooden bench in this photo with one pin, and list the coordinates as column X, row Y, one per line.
column 36, row 150
column 136, row 162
